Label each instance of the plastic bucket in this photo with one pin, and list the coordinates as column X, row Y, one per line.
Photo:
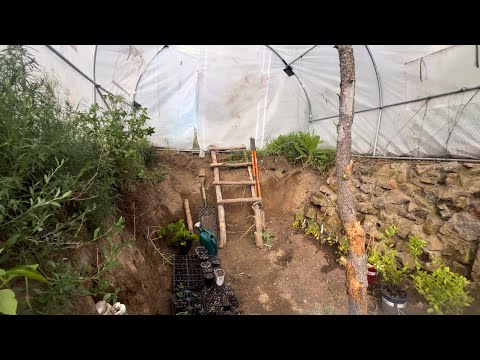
column 219, row 276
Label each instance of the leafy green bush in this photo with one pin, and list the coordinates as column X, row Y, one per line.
column 386, row 264
column 444, row 289
column 302, row 146
column 175, row 233
column 61, row 169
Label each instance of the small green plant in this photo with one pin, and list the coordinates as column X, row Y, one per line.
column 267, row 238
column 304, row 147
column 299, row 221
column 8, row 300
column 342, row 249
column 444, row 289
column 176, row 234
column 313, row 229
column 386, row 264
column 388, row 234
column 416, row 247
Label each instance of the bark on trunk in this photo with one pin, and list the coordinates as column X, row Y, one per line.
column 356, row 262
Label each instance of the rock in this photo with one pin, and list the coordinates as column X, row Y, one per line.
column 450, row 166
column 362, row 197
column 397, row 197
column 475, row 274
column 451, row 192
column 470, row 165
column 366, row 208
column 474, row 169
column 432, row 177
column 445, row 212
column 461, row 202
column 459, row 268
column 431, row 194
column 411, row 206
column 382, row 168
column 328, row 192
column 389, row 184
column 367, row 188
column 462, row 225
column 404, row 227
column 458, row 250
column 432, row 224
column 422, row 168
column 474, row 187
column 433, row 243
column 327, row 211
column 399, row 210
column 377, row 191
column 418, row 221
column 379, row 203
column 334, row 221
column 370, row 223
column 431, row 266
column 476, row 207
column 406, row 259
column 454, row 179
column 310, row 211
column 356, row 182
column 321, row 200
column 368, row 180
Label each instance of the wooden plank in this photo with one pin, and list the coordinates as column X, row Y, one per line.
column 232, row 165
column 224, row 148
column 258, row 225
column 222, row 241
column 232, row 201
column 233, row 182
column 188, row 215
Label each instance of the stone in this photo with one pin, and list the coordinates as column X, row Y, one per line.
column 433, row 243
column 356, row 182
column 366, row 208
column 379, row 203
column 461, row 202
column 474, row 187
column 411, row 206
column 445, row 212
column 474, row 170
column 321, row 200
column 362, row 197
column 458, row 250
column 419, row 221
column 454, row 179
column 333, row 221
column 368, row 180
column 459, row 268
column 475, row 273
column 377, row 191
column 450, row 166
column 397, row 197
column 462, row 225
column 422, row 168
column 370, row 223
column 398, row 210
column 432, row 177
column 382, row 168
column 388, row 184
column 367, row 188
column 328, row 192
column 431, row 194
column 476, row 207
column 402, row 177
column 450, row 192
column 432, row 224
column 404, row 227
column 310, row 211
column 406, row 259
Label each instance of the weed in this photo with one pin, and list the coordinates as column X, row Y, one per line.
column 267, row 238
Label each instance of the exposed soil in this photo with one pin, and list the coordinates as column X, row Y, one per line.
column 296, row 275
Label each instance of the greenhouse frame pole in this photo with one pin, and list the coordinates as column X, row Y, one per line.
column 305, row 53
column 380, row 98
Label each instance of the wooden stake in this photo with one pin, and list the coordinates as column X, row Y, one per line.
column 232, row 201
column 258, row 225
column 188, row 215
column 232, row 165
column 222, row 241
column 233, row 183
column 224, row 148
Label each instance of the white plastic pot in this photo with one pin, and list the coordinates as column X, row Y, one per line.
column 219, row 276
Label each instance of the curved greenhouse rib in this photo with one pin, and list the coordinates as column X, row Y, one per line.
column 380, row 98
column 299, row 81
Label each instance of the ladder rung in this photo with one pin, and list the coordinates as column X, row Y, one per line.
column 233, row 183
column 224, row 148
column 231, row 201
column 233, row 165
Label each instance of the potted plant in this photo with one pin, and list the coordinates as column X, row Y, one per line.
column 177, row 235
column 394, row 297
column 372, row 273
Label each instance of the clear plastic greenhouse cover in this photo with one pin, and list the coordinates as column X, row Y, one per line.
column 410, row 100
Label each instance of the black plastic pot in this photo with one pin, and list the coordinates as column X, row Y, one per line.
column 209, row 278
column 184, row 249
column 215, row 262
column 393, row 304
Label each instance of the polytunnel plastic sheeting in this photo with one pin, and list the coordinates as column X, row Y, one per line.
column 319, row 70
column 363, row 132
column 431, row 129
column 168, row 90
column 71, row 85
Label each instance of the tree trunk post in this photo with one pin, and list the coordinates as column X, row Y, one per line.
column 356, row 262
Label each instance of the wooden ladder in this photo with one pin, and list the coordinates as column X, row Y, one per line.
column 256, row 200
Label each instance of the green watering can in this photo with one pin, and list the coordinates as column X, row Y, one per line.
column 208, row 240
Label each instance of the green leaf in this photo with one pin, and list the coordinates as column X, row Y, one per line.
column 95, row 233
column 430, row 310
column 28, row 271
column 8, row 303
column 106, row 297
column 12, row 240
